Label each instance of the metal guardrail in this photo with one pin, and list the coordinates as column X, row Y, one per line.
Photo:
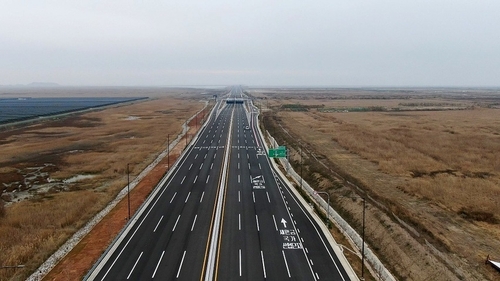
column 356, row 239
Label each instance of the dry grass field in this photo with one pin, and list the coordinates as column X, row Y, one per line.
column 429, row 162
column 57, row 174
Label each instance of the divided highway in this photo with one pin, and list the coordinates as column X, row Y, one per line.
column 223, row 214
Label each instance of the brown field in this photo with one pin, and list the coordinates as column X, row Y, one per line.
column 431, row 169
column 45, row 205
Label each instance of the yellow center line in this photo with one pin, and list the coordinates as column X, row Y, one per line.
column 204, row 268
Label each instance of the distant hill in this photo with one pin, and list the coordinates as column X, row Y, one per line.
column 43, row 84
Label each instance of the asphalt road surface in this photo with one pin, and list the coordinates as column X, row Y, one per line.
column 223, row 214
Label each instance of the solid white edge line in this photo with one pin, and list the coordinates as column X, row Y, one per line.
column 158, row 224
column 158, row 264
column 180, row 266
column 166, row 181
column 134, row 265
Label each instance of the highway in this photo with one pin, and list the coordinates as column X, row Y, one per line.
column 223, row 214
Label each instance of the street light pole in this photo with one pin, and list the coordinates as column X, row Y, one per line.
column 128, row 190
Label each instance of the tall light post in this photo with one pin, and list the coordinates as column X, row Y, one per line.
column 327, row 208
column 128, row 189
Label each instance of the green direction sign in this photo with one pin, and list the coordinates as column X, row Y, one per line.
column 279, row 152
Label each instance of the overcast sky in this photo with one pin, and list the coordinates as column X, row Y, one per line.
column 275, row 43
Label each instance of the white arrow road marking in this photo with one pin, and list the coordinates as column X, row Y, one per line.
column 283, row 221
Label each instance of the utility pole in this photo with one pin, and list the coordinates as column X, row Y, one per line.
column 301, row 167
column 362, row 235
column 363, row 246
